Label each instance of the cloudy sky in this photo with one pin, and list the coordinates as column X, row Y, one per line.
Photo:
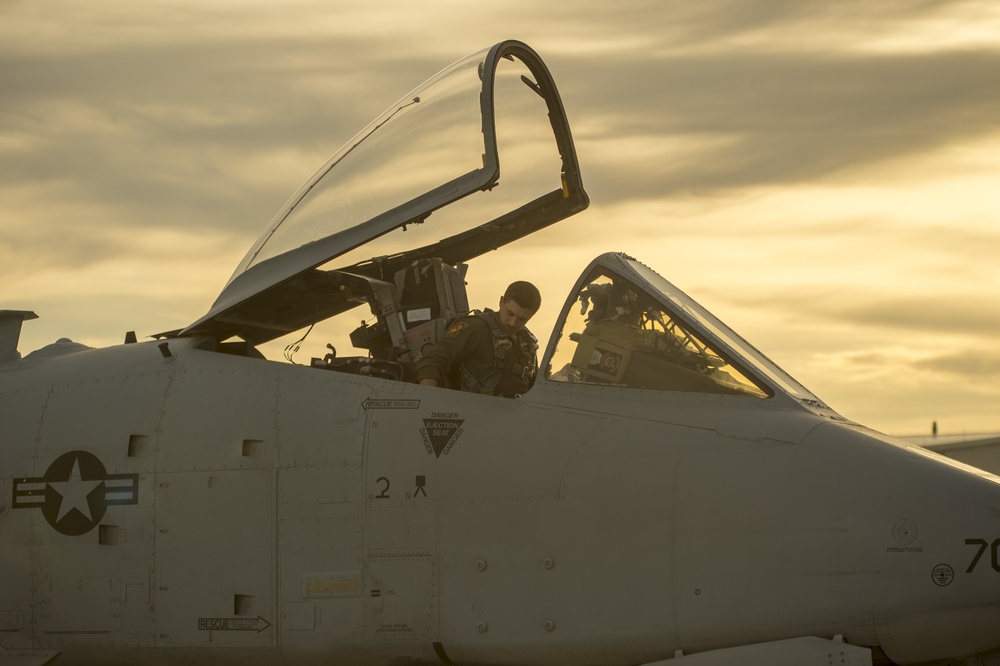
column 824, row 177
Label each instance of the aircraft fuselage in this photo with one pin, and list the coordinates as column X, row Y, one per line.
column 188, row 503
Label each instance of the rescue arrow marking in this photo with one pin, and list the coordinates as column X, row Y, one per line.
column 257, row 624
column 372, row 403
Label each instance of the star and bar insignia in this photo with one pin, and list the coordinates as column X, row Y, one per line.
column 75, row 492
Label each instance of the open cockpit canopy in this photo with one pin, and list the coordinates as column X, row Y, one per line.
column 422, row 183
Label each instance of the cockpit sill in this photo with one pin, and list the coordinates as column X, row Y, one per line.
column 635, row 339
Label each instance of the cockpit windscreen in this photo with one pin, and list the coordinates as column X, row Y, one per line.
column 619, row 335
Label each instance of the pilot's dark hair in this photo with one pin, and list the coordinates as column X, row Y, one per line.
column 524, row 294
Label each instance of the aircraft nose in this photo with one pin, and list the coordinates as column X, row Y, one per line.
column 925, row 531
column 946, row 550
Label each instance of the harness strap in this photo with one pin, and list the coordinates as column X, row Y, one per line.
column 501, row 343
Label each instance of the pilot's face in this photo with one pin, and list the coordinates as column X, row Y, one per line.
column 513, row 317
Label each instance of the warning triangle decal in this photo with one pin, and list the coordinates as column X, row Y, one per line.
column 442, row 433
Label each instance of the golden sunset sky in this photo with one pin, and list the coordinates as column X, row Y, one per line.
column 824, row 177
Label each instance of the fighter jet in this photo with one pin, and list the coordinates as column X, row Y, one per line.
column 663, row 494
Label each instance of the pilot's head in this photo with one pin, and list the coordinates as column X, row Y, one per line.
column 519, row 304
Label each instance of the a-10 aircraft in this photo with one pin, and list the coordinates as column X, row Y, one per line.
column 664, row 494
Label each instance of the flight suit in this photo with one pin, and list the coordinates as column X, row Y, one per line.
column 477, row 354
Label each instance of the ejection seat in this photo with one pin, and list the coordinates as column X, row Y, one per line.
column 432, row 294
column 412, row 312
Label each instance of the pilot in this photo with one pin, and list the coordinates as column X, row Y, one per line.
column 488, row 352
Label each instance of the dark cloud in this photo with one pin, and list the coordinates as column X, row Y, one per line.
column 778, row 92
column 979, row 369
column 931, row 314
column 980, row 363
column 953, row 251
column 957, row 314
column 779, row 118
column 161, row 135
column 156, row 132
column 658, row 26
column 147, row 105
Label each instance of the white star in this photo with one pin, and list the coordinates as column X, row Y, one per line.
column 73, row 492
